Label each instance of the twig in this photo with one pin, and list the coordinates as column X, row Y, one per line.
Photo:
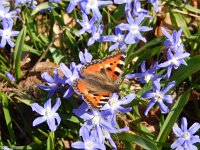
column 186, row 13
column 43, row 55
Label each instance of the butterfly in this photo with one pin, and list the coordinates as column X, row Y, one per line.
column 99, row 79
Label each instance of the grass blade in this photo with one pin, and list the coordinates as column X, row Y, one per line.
column 8, row 118
column 172, row 117
column 131, row 138
column 18, row 53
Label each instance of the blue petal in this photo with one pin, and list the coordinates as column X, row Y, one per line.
column 164, row 109
column 150, row 105
column 168, row 87
column 114, row 46
column 47, row 104
column 69, row 92
column 124, row 110
column 78, row 145
column 37, row 108
column 168, row 99
column 84, row 132
column 177, row 130
column 127, row 99
column 65, row 70
column 39, row 120
column 58, row 119
column 166, row 34
column 51, row 123
column 148, row 94
column 177, row 143
column 194, row 128
column 57, row 105
column 184, row 124
column 47, row 77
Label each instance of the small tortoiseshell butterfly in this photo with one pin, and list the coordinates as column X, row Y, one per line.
column 99, row 79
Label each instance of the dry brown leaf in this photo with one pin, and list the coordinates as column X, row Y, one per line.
column 69, row 21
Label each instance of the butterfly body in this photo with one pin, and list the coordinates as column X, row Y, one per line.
column 99, row 79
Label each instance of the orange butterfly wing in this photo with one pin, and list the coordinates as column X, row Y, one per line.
column 97, row 84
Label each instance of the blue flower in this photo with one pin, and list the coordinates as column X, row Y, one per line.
column 90, row 142
column 174, row 60
column 6, row 148
column 186, row 138
column 48, row 114
column 6, row 14
column 53, row 84
column 146, row 75
column 6, row 35
column 55, row 1
column 86, row 24
column 159, row 96
column 70, row 74
column 174, row 41
column 94, row 5
column 128, row 3
column 10, row 76
column 85, row 57
column 155, row 4
column 31, row 3
column 134, row 29
column 114, row 104
column 72, row 5
column 96, row 34
column 137, row 10
column 96, row 120
column 118, row 38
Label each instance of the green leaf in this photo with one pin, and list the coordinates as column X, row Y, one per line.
column 18, row 53
column 56, row 54
column 144, row 49
column 8, row 117
column 44, row 6
column 181, row 23
column 185, row 71
column 27, row 48
column 131, row 138
column 172, row 117
column 192, row 9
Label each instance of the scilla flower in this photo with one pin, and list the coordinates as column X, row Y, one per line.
column 158, row 95
column 48, row 114
column 185, row 137
column 6, row 34
column 71, row 74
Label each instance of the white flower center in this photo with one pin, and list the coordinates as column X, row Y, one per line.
column 92, row 3
column 87, row 26
column 186, row 135
column 134, row 29
column 120, row 38
column 6, row 33
column 89, row 145
column 48, row 113
column 72, row 78
column 174, row 62
column 113, row 102
column 97, row 35
column 147, row 77
column 96, row 119
column 158, row 96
